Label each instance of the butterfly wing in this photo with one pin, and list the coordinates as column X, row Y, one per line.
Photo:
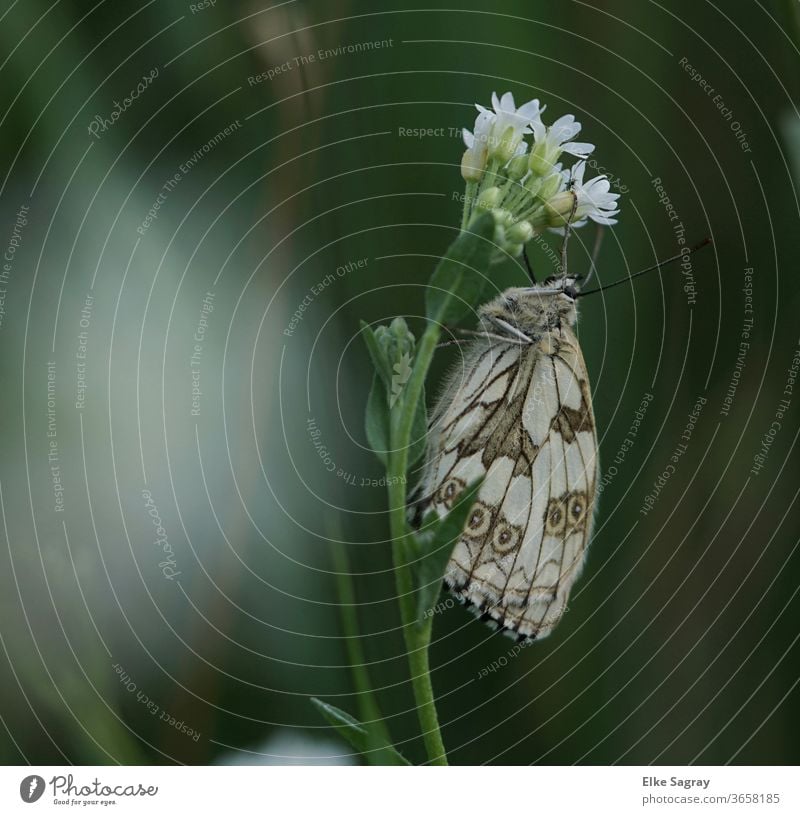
column 521, row 417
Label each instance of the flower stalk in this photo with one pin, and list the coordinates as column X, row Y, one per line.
column 516, row 188
column 417, row 637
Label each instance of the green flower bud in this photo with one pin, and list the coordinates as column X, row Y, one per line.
column 520, row 233
column 560, row 208
column 472, row 163
column 550, row 186
column 490, row 198
column 395, row 340
column 504, row 217
column 541, row 159
column 517, row 167
column 505, row 147
column 534, row 184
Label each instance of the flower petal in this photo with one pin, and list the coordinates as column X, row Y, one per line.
column 530, row 110
column 581, row 149
column 507, row 102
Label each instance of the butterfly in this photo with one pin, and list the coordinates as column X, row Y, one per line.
column 518, row 415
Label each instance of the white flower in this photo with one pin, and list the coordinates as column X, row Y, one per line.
column 498, row 133
column 551, row 142
column 509, row 115
column 509, row 124
column 473, row 161
column 595, row 201
column 481, row 131
column 528, row 192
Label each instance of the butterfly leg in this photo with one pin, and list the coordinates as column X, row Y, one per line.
column 451, row 342
column 469, row 332
column 598, row 240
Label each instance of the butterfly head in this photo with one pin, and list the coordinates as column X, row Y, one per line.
column 568, row 286
column 533, row 310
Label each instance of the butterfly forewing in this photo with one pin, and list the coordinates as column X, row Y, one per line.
column 519, row 415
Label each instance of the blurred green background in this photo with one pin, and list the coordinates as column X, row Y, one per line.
column 184, row 376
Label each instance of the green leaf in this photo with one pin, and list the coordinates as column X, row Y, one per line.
column 358, row 735
column 436, row 540
column 457, row 283
column 376, row 420
column 377, row 425
column 377, row 354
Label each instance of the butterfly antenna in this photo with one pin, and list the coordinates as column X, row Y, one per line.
column 528, row 266
column 598, row 240
column 658, row 265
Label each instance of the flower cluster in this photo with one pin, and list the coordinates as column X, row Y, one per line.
column 525, row 184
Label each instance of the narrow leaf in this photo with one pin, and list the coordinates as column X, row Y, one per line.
column 377, row 354
column 357, row 734
column 457, row 283
column 376, row 420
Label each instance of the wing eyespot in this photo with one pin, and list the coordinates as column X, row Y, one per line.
column 479, row 521
column 555, row 519
column 566, row 514
column 449, row 491
column 506, row 537
column 576, row 509
column 523, row 421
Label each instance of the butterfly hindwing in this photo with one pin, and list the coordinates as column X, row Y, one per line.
column 519, row 416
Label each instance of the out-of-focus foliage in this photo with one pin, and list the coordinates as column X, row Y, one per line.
column 308, row 161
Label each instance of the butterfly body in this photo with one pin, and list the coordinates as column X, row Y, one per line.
column 518, row 414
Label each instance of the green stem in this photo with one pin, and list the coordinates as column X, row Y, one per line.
column 487, row 179
column 417, row 637
column 469, row 195
column 517, row 199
